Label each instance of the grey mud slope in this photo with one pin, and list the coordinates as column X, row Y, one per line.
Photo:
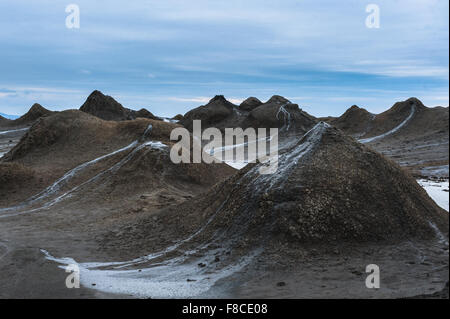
column 191, row 267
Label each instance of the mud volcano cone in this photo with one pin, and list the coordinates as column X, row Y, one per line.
column 281, row 113
column 355, row 121
column 215, row 113
column 328, row 187
column 105, row 107
column 35, row 112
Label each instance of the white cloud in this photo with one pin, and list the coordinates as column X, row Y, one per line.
column 401, row 69
column 191, row 99
column 203, row 99
column 35, row 89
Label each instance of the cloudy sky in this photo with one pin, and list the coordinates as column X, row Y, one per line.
column 172, row 55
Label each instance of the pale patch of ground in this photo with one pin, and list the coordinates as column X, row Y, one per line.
column 438, row 191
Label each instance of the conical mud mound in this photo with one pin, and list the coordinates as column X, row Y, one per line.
column 36, row 111
column 399, row 113
column 250, row 104
column 279, row 112
column 218, row 112
column 107, row 108
column 328, row 187
column 104, row 107
column 144, row 113
column 355, row 121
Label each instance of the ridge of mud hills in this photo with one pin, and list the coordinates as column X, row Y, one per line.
column 421, row 143
column 107, row 108
column 410, row 133
column 277, row 112
column 395, row 116
column 72, row 151
column 360, row 123
column 73, row 134
column 218, row 112
column 426, row 123
column 281, row 113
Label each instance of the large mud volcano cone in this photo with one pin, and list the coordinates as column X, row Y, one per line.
column 328, row 187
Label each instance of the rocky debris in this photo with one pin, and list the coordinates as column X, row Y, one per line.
column 249, row 104
column 107, row 108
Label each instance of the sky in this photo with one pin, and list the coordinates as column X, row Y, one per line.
column 172, row 55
